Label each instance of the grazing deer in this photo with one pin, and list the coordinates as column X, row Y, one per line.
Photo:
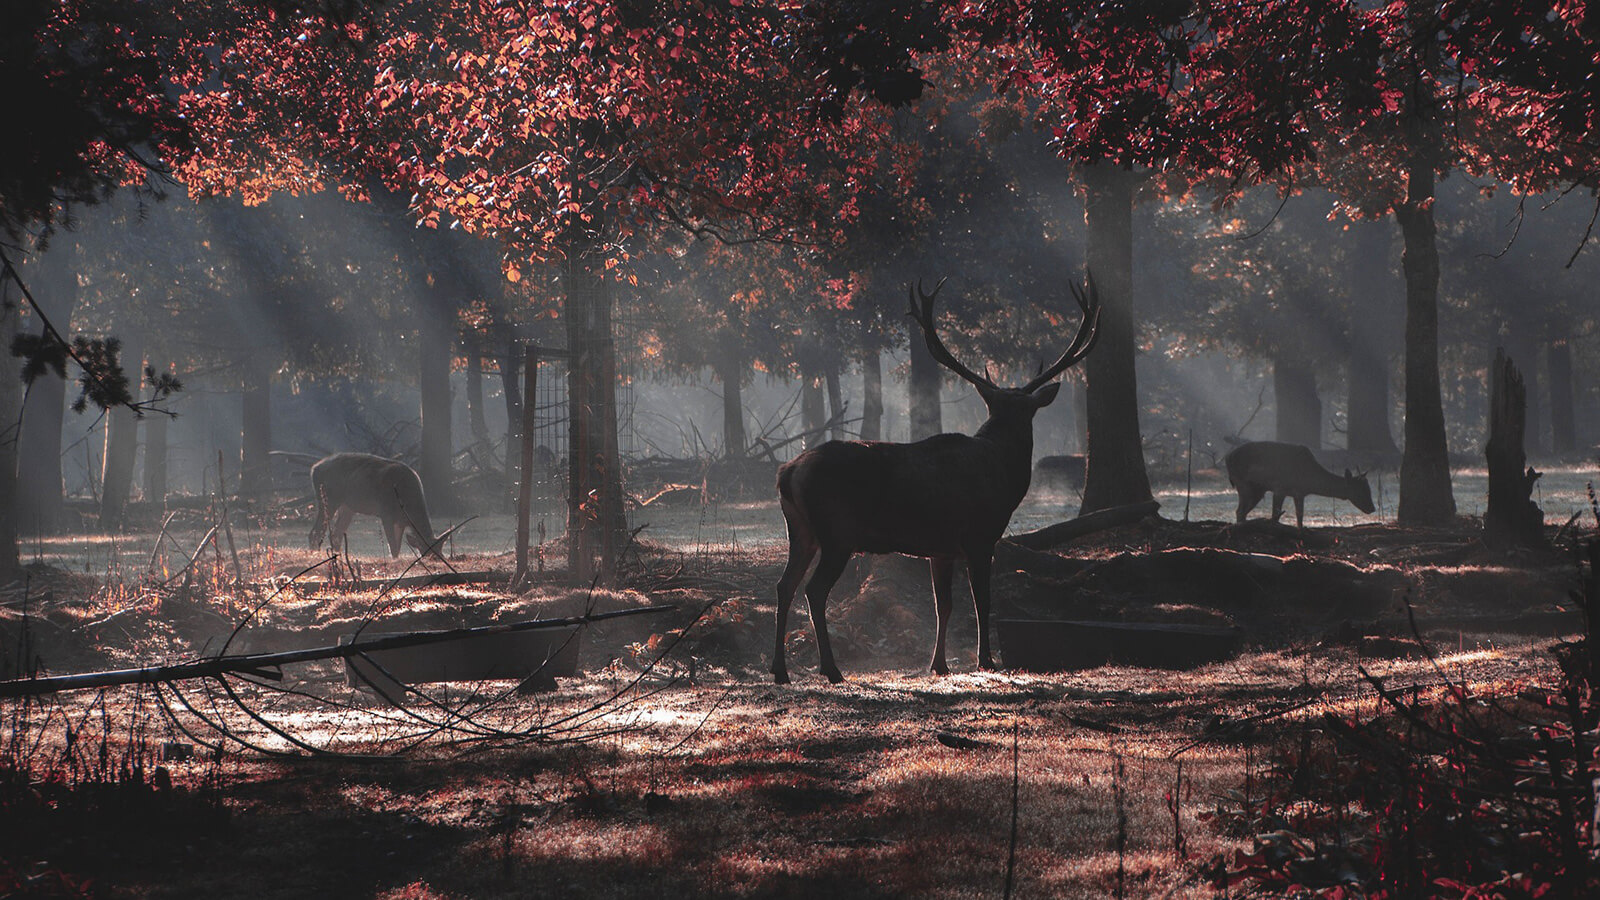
column 350, row 483
column 1289, row 470
column 945, row 498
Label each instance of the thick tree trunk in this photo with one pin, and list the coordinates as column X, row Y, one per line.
column 1425, row 495
column 1294, row 388
column 121, row 447
column 255, row 474
column 155, row 457
column 922, row 383
column 1563, row 418
column 871, row 396
column 433, row 382
column 729, row 367
column 1115, row 471
column 1080, row 414
column 595, row 520
column 1511, row 517
column 40, row 493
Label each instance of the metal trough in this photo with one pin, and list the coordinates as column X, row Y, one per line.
column 544, row 654
column 1047, row 645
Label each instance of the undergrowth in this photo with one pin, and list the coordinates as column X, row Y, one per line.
column 1447, row 792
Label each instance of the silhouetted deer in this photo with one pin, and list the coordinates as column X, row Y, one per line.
column 1289, row 470
column 350, row 483
column 946, row 497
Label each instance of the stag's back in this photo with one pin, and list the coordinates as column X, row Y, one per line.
column 937, row 497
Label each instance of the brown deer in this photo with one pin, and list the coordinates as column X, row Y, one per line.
column 350, row 483
column 945, row 498
column 1289, row 470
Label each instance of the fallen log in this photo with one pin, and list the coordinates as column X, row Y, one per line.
column 1072, row 529
column 259, row 664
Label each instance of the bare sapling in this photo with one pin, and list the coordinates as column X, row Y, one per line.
column 1289, row 470
column 945, row 498
column 349, row 483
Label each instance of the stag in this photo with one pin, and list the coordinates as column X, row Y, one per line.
column 945, row 498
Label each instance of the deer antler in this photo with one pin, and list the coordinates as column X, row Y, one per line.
column 1082, row 342
column 923, row 314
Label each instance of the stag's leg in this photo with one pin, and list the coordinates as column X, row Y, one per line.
column 1277, row 506
column 1249, row 496
column 979, row 566
column 1300, row 513
column 943, row 571
column 801, row 551
column 829, row 568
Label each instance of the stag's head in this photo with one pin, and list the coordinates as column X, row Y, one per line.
column 1013, row 403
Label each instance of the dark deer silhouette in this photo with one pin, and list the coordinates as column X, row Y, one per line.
column 350, row 483
column 1289, row 470
column 945, row 498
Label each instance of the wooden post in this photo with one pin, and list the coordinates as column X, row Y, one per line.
column 530, row 375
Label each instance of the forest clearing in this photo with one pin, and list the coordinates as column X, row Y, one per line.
column 670, row 765
column 799, row 448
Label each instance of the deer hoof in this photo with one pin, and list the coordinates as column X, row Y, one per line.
column 835, row 676
column 780, row 676
column 939, row 668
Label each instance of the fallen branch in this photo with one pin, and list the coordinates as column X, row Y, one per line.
column 1072, row 529
column 258, row 664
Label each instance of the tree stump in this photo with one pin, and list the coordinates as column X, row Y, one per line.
column 1512, row 518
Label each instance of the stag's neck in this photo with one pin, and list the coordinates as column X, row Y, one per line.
column 1014, row 443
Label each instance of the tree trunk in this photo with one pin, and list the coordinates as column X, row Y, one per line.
column 1080, row 413
column 1372, row 327
column 1515, row 335
column 1294, row 388
column 40, row 494
column 729, row 367
column 830, row 377
column 121, row 447
column 10, row 411
column 1367, row 410
column 511, row 388
column 476, row 420
column 155, row 457
column 433, row 381
column 923, row 382
column 1425, row 495
column 1115, row 471
column 595, row 518
column 871, row 396
column 812, row 412
column 1511, row 517
column 1563, row 419
column 255, row 474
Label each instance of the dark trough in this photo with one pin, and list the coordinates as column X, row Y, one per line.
column 537, row 657
column 1048, row 645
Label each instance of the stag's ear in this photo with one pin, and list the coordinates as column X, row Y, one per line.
column 1045, row 394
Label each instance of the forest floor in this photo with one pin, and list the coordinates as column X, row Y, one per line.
column 670, row 765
